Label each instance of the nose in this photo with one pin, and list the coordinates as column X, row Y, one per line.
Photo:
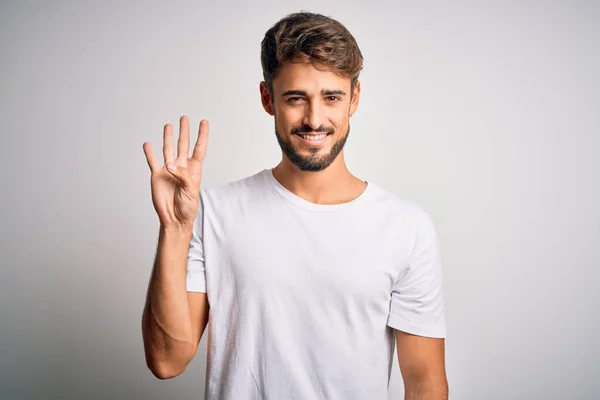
column 313, row 115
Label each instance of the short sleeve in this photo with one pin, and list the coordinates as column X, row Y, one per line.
column 196, row 275
column 417, row 305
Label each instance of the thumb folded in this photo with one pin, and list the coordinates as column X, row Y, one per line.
column 181, row 173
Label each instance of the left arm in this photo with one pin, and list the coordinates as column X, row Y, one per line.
column 422, row 364
column 417, row 315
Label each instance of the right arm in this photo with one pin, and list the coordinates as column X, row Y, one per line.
column 174, row 319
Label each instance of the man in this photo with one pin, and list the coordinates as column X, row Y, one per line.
column 304, row 273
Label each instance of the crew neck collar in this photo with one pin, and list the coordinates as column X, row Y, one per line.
column 307, row 205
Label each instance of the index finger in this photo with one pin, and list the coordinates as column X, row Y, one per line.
column 202, row 142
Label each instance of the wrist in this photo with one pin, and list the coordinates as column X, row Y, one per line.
column 176, row 230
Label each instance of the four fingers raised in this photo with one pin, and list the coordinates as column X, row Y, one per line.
column 182, row 144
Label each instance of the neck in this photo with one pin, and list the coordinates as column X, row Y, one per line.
column 334, row 185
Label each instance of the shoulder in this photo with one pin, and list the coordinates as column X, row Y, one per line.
column 397, row 208
column 238, row 191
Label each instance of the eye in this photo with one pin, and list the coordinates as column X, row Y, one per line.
column 294, row 99
column 333, row 99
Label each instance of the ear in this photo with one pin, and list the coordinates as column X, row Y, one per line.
column 355, row 98
column 266, row 99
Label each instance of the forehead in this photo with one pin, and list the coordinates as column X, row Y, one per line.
column 304, row 76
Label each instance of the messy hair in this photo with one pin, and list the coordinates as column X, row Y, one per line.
column 310, row 38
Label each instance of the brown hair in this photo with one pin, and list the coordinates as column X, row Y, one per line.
column 310, row 38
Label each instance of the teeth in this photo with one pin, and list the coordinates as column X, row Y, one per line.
column 314, row 137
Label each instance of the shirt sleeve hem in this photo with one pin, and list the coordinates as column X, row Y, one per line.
column 438, row 332
column 196, row 287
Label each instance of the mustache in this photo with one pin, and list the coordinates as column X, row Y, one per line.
column 308, row 129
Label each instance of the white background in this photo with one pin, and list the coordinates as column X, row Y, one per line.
column 485, row 113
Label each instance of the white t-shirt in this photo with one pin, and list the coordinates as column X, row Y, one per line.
column 303, row 297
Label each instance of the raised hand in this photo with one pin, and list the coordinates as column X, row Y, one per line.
column 176, row 184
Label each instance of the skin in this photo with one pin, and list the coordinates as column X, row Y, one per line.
column 173, row 320
column 307, row 98
column 304, row 99
column 422, row 365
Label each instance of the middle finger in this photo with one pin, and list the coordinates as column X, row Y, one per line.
column 183, row 144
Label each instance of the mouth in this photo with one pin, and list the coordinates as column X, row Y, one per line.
column 313, row 138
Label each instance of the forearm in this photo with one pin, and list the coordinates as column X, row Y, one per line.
column 166, row 322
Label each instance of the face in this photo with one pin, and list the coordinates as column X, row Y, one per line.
column 311, row 110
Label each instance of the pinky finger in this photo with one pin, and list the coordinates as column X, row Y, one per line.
column 152, row 161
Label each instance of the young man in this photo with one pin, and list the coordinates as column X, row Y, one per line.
column 305, row 274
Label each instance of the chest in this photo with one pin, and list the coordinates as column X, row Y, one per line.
column 325, row 257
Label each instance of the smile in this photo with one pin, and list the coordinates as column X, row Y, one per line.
column 313, row 138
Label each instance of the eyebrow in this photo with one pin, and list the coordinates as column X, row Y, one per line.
column 324, row 92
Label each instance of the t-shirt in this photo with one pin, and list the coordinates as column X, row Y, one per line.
column 304, row 298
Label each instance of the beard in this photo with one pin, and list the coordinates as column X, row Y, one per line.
column 314, row 162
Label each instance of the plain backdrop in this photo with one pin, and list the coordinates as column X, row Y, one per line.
column 484, row 113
